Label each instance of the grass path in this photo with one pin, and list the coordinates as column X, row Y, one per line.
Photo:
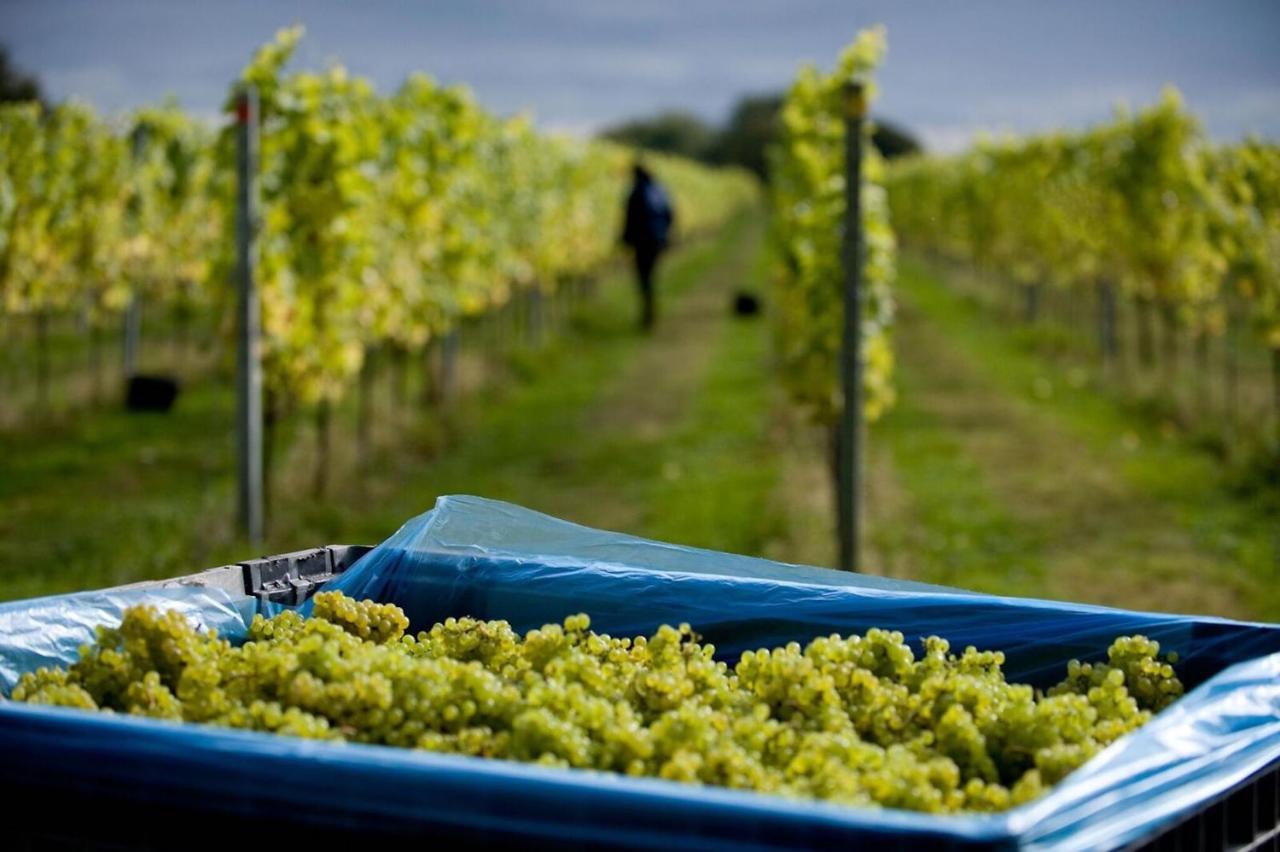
column 1023, row 479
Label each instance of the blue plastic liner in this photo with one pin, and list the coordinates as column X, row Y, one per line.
column 491, row 560
column 49, row 631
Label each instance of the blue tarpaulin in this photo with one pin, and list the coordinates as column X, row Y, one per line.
column 486, row 559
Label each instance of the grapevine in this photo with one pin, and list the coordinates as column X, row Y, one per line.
column 807, row 180
column 1143, row 208
column 386, row 219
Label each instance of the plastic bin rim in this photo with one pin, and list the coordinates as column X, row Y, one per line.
column 160, row 735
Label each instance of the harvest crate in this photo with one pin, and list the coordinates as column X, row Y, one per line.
column 121, row 782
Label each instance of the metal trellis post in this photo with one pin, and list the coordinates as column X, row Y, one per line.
column 849, row 437
column 248, row 363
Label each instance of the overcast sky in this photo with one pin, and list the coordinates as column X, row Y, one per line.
column 954, row 68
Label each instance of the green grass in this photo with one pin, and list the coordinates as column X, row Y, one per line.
column 959, row 532
column 85, row 371
column 1019, row 457
column 721, row 466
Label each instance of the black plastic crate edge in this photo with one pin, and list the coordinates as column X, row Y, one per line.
column 346, row 555
column 1242, row 819
column 286, row 578
column 292, row 578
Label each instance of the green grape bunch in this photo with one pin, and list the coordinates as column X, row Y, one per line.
column 860, row 720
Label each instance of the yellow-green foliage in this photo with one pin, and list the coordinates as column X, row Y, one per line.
column 807, row 175
column 385, row 218
column 1145, row 202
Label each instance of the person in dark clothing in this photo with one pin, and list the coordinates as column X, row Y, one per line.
column 648, row 228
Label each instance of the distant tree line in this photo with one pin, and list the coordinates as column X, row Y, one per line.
column 743, row 139
column 16, row 84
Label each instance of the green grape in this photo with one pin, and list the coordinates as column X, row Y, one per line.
column 858, row 720
column 54, row 687
column 150, row 697
column 1151, row 681
column 366, row 619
